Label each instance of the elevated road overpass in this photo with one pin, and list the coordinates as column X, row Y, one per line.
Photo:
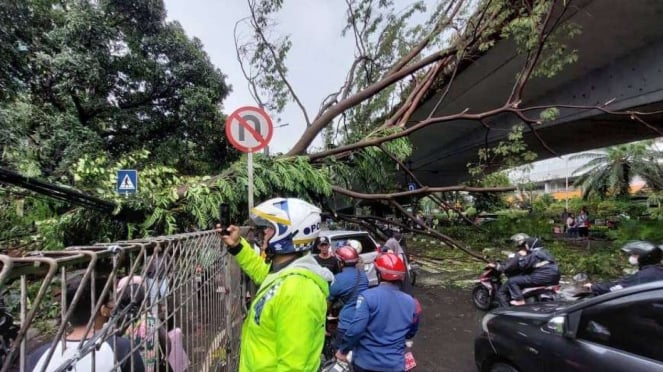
column 620, row 57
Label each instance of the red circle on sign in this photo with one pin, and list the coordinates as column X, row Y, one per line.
column 236, row 118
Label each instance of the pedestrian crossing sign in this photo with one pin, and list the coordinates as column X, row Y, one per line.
column 127, row 181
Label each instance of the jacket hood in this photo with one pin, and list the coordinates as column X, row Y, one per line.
column 309, row 263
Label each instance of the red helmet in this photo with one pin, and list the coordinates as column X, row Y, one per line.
column 390, row 267
column 347, row 254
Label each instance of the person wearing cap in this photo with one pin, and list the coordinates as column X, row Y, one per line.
column 326, row 258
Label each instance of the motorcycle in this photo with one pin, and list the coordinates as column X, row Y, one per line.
column 484, row 293
column 333, row 365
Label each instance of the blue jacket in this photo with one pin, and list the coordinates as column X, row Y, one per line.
column 646, row 274
column 344, row 289
column 384, row 319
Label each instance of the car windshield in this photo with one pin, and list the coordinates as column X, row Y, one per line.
column 367, row 244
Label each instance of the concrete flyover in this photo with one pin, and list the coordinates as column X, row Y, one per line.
column 620, row 57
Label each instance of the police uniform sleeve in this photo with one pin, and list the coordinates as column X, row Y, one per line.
column 300, row 325
column 250, row 262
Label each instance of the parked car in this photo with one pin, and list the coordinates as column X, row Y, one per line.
column 617, row 331
column 369, row 251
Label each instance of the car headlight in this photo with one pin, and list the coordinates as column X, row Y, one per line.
column 484, row 322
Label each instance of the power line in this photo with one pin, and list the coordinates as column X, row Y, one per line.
column 9, row 177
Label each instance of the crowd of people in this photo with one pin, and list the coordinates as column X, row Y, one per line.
column 286, row 325
column 576, row 224
column 125, row 333
column 297, row 294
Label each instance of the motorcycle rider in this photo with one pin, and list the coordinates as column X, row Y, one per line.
column 509, row 268
column 648, row 258
column 285, row 326
column 384, row 318
column 537, row 267
column 348, row 284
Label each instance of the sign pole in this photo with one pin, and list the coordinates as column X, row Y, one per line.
column 249, row 129
column 250, row 173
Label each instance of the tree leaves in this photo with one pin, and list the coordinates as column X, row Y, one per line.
column 611, row 171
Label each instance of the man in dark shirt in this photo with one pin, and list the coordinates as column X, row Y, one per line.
column 326, row 258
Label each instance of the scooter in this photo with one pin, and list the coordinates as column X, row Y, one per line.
column 333, row 365
column 484, row 293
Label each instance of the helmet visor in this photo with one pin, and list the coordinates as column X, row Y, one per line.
column 261, row 222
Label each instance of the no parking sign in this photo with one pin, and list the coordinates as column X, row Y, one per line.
column 249, row 129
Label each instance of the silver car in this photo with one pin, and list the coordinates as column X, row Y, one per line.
column 369, row 251
column 369, row 248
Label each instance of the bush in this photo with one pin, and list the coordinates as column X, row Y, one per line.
column 602, row 262
column 641, row 229
column 520, row 221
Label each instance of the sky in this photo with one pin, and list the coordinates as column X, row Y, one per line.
column 317, row 62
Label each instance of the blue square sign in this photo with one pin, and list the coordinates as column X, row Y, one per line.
column 127, row 181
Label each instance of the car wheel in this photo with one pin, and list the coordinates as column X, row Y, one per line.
column 413, row 277
column 481, row 297
column 502, row 367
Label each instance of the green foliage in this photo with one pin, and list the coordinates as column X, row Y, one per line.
column 542, row 203
column 526, row 31
column 107, row 78
column 91, row 87
column 491, row 201
column 507, row 154
column 598, row 261
column 641, row 229
column 520, row 221
column 608, row 173
column 549, row 114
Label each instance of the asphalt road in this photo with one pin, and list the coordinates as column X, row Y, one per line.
column 449, row 324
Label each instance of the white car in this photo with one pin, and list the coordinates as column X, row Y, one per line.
column 369, row 248
column 369, row 251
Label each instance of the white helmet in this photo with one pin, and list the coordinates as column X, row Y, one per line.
column 519, row 239
column 296, row 224
column 355, row 244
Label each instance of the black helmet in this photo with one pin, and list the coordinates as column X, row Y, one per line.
column 648, row 253
column 533, row 243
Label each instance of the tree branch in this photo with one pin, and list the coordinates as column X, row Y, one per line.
column 278, row 66
column 425, row 190
column 533, row 59
column 253, row 89
column 426, row 40
column 439, row 201
column 314, row 129
column 437, row 234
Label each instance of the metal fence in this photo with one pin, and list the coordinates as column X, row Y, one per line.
column 177, row 301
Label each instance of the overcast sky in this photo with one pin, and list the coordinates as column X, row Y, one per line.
column 318, row 60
